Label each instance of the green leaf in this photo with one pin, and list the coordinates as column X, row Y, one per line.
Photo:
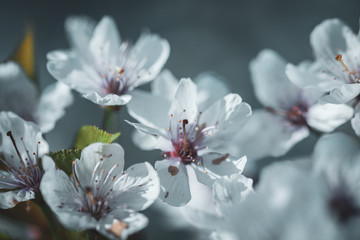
column 92, row 134
column 64, row 159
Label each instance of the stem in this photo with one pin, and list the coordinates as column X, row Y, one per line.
column 92, row 234
column 53, row 224
column 89, row 235
column 110, row 122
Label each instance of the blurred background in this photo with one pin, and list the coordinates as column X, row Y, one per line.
column 219, row 36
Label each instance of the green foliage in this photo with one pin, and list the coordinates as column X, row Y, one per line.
column 64, row 158
column 91, row 134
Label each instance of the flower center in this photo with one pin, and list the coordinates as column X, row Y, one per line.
column 28, row 175
column 95, row 204
column 296, row 114
column 187, row 143
column 343, row 205
column 122, row 72
column 96, row 198
column 115, row 83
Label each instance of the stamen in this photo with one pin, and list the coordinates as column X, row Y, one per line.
column 339, row 59
column 9, row 134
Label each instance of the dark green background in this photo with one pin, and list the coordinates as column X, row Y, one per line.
column 222, row 36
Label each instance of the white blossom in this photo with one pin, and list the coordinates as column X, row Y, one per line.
column 190, row 138
column 103, row 68
column 336, row 162
column 336, row 68
column 21, row 147
column 290, row 111
column 20, row 95
column 99, row 194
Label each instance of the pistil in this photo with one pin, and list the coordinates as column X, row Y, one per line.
column 185, row 144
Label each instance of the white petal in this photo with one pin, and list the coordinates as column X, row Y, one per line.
column 336, row 159
column 17, row 93
column 109, row 228
column 211, row 88
column 332, row 152
column 227, row 115
column 327, row 39
column 289, row 202
column 165, row 85
column 271, row 85
column 310, row 75
column 105, row 42
column 108, row 99
column 342, row 94
column 140, row 186
column 174, row 182
column 184, row 105
column 76, row 220
column 327, row 117
column 201, row 199
column 144, row 141
column 232, row 190
column 276, row 137
column 215, row 165
column 333, row 37
column 107, row 155
column 47, row 163
column 20, row 129
column 162, row 141
column 60, row 194
column 201, row 195
column 154, row 51
column 311, row 95
column 66, row 66
column 6, row 180
column 10, row 198
column 149, row 110
column 355, row 121
column 56, row 189
column 51, row 107
column 79, row 31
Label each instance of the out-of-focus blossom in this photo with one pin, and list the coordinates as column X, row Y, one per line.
column 100, row 66
column 228, row 194
column 288, row 204
column 190, row 138
column 21, row 147
column 292, row 202
column 19, row 95
column 289, row 111
column 99, row 194
column 337, row 69
column 337, row 162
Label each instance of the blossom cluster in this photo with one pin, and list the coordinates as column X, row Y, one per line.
column 206, row 137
